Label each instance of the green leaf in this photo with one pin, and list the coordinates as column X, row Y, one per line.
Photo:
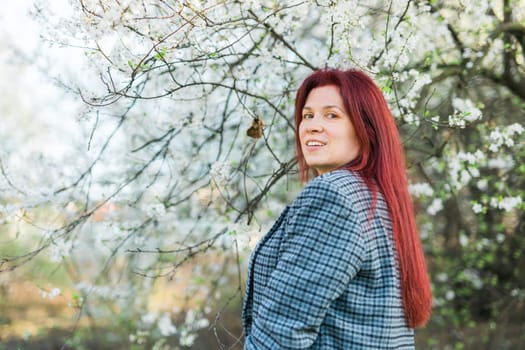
column 160, row 54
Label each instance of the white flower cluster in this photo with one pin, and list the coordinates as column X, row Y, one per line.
column 466, row 106
column 186, row 332
column 442, row 277
column 190, row 122
column 474, row 18
column 155, row 210
column 411, row 83
column 471, row 158
column 52, row 294
column 165, row 325
column 418, row 81
column 192, row 324
column 463, row 167
column 506, row 203
column 107, row 292
column 349, row 13
column 473, row 276
column 477, row 208
column 237, row 233
column 59, row 250
column 503, row 162
column 455, row 121
column 463, row 240
column 464, row 112
column 220, row 172
column 435, row 207
column 421, row 189
column 504, row 137
column 483, row 244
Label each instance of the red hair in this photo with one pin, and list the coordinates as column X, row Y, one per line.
column 381, row 162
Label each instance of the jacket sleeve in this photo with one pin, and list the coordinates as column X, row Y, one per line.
column 322, row 250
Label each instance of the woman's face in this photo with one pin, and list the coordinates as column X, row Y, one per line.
column 327, row 136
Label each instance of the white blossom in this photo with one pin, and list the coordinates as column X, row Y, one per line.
column 502, row 162
column 456, row 121
column 201, row 323
column 42, row 293
column 59, row 250
column 471, row 158
column 473, row 276
column 165, row 325
column 149, row 318
column 463, row 240
column 106, row 292
column 435, row 207
column 155, row 209
column 482, row 244
column 467, row 109
column 442, row 277
column 506, row 203
column 187, row 338
column 482, row 184
column 515, row 129
column 504, row 136
column 54, row 293
column 477, row 208
column 464, row 166
column 421, row 189
column 220, row 172
column 464, row 112
column 426, row 230
column 410, row 118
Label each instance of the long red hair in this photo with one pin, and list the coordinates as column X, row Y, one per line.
column 381, row 162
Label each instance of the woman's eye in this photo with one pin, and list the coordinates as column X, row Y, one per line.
column 308, row 116
column 331, row 115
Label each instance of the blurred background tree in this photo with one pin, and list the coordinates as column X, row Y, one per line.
column 179, row 153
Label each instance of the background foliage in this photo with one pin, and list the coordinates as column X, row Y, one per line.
column 142, row 217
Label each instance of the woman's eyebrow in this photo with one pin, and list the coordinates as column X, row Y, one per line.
column 324, row 107
column 332, row 106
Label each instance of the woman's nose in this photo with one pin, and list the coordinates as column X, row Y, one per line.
column 314, row 125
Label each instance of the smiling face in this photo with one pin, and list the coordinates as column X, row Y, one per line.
column 327, row 136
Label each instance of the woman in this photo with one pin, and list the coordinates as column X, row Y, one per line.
column 343, row 267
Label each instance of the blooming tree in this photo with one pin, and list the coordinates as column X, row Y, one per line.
column 186, row 153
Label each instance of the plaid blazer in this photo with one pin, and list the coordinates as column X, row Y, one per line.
column 326, row 275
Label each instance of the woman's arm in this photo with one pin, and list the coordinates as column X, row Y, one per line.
column 321, row 252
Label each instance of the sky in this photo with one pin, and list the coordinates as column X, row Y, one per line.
column 35, row 113
column 15, row 23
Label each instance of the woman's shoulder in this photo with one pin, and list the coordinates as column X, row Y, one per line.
column 342, row 178
column 343, row 182
column 342, row 186
column 337, row 183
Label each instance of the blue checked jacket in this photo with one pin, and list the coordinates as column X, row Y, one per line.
column 326, row 276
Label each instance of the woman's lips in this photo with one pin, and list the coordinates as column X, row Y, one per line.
column 314, row 144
